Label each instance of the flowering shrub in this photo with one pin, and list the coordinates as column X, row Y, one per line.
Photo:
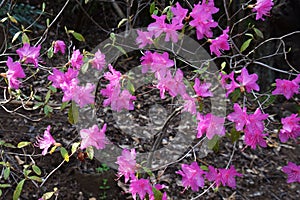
column 168, row 73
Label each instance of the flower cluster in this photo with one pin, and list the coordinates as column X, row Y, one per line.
column 46, row 141
column 286, row 87
column 252, row 125
column 29, row 54
column 14, row 72
column 193, row 176
column 247, row 82
column 262, row 7
column 293, row 172
column 202, row 18
column 211, row 125
column 93, row 137
column 127, row 167
column 68, row 83
column 116, row 98
column 290, row 128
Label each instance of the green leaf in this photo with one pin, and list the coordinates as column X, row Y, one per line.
column 36, row 178
column 122, row 22
column 234, row 135
column 43, row 6
column 90, row 152
column 77, row 36
column 53, row 89
column 86, row 1
column 258, row 33
column 25, row 38
column 23, row 144
column 2, row 142
column 85, row 67
column 9, row 145
column 73, row 114
column 50, row 52
column 223, row 65
column 166, row 9
column 148, row 171
column 64, row 154
column 64, row 105
column 112, row 36
column 130, row 87
column 48, row 95
column 245, row 45
column 122, row 50
column 155, row 12
column 0, row 192
column 204, row 167
column 36, row 170
column 17, row 34
column 152, row 8
column 74, row 147
column 211, row 143
column 250, row 35
column 48, row 110
column 5, row 185
column 157, row 194
column 37, row 105
column 235, row 95
column 12, row 19
column 6, row 173
column 47, row 195
column 18, row 190
column 169, row 15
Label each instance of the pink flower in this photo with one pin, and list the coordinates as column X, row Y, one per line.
column 171, row 32
column 46, row 141
column 157, row 27
column 224, row 176
column 262, row 7
column 140, row 187
column 158, row 63
column 202, row 18
column 290, row 128
column 239, row 117
column 174, row 85
column 211, row 124
column 293, row 172
column 286, row 87
column 220, row 43
column 231, row 86
column 113, row 76
column 14, row 71
column 127, row 164
column 98, row 62
column 248, row 81
column 254, row 138
column 228, row 176
column 76, row 59
column 202, row 90
column 122, row 100
column 192, row 176
column 254, row 130
column 189, row 104
column 63, row 80
column 29, row 54
column 93, row 137
column 179, row 13
column 144, row 38
column 59, row 45
column 83, row 95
